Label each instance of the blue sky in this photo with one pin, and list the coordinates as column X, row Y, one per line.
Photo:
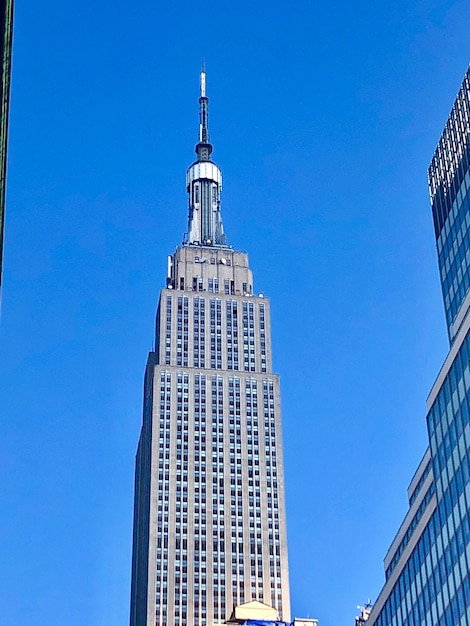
column 324, row 120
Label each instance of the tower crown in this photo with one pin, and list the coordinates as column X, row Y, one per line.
column 204, row 184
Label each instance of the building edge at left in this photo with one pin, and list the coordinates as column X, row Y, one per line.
column 6, row 34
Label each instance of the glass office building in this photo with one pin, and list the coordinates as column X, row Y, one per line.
column 209, row 519
column 427, row 567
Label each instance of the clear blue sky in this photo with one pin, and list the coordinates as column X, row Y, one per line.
column 324, row 117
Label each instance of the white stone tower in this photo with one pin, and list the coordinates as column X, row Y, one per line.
column 209, row 515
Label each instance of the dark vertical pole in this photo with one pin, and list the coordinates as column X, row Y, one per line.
column 6, row 32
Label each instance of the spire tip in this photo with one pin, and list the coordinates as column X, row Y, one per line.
column 203, row 79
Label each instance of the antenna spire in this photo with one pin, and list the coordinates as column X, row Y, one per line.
column 203, row 148
column 204, row 184
column 203, row 78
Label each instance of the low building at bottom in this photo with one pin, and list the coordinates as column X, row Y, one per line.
column 259, row 614
column 427, row 567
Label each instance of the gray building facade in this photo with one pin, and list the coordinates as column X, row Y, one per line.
column 427, row 567
column 209, row 514
column 6, row 34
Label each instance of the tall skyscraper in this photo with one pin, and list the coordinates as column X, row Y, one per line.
column 209, row 518
column 427, row 567
column 6, row 32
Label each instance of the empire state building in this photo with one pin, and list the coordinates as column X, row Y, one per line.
column 209, row 513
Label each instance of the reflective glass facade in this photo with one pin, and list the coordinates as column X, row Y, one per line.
column 449, row 184
column 428, row 564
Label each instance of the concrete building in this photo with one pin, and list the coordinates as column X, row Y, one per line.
column 6, row 33
column 209, row 519
column 427, row 567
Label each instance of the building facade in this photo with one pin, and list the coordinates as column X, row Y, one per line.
column 6, row 33
column 209, row 514
column 427, row 567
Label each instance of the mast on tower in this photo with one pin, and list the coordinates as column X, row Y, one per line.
column 203, row 148
column 204, row 184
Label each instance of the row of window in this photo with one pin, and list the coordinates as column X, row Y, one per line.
column 230, row 332
column 211, row 520
column 433, row 587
